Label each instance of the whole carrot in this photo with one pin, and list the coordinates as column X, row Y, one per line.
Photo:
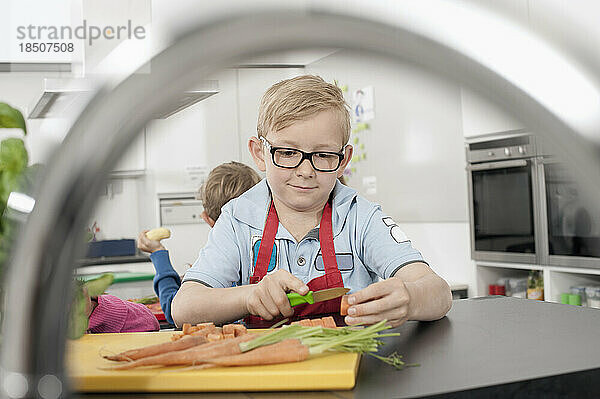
column 286, row 351
column 191, row 356
column 187, row 341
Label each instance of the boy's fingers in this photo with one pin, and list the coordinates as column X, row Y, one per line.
column 394, row 318
column 262, row 311
column 257, row 308
column 283, row 303
column 373, row 307
column 254, row 307
column 265, row 298
column 372, row 320
column 371, row 292
column 295, row 284
column 276, row 291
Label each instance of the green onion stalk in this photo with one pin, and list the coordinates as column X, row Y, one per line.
column 356, row 339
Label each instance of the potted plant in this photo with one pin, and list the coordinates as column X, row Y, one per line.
column 17, row 175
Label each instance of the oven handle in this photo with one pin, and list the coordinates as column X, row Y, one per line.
column 513, row 163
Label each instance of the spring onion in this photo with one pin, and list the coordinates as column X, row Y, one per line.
column 319, row 340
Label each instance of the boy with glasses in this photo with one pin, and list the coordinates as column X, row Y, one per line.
column 300, row 229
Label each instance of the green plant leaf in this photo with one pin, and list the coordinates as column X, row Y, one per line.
column 11, row 118
column 78, row 319
column 13, row 155
column 98, row 285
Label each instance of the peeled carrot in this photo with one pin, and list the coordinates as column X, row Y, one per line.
column 286, row 351
column 214, row 337
column 186, row 342
column 175, row 337
column 344, row 305
column 191, row 356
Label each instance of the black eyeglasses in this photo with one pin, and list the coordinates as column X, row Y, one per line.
column 290, row 158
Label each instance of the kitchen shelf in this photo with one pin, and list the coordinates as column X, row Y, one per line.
column 561, row 281
column 489, row 273
column 557, row 279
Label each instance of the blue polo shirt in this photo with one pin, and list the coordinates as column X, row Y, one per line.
column 368, row 244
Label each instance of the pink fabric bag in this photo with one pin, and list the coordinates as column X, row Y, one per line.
column 114, row 315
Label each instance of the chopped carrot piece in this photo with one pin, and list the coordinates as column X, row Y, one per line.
column 344, row 305
column 329, row 322
column 239, row 329
column 205, row 325
column 293, row 323
column 306, row 323
column 186, row 328
column 227, row 336
column 228, row 329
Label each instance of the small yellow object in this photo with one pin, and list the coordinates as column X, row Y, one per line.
column 158, row 234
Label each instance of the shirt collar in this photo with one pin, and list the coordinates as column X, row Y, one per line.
column 252, row 208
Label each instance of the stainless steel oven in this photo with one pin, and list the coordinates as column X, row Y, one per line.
column 525, row 207
column 503, row 198
column 571, row 221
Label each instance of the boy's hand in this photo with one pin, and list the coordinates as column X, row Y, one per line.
column 388, row 299
column 147, row 245
column 268, row 298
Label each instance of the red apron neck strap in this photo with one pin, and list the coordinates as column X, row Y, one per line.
column 266, row 246
column 332, row 273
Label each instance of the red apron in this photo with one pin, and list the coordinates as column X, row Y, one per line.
column 331, row 279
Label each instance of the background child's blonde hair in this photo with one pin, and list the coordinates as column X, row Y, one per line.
column 299, row 98
column 225, row 182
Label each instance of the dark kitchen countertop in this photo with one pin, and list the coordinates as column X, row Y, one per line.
column 484, row 347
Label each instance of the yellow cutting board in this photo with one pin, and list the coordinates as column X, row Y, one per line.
column 84, row 363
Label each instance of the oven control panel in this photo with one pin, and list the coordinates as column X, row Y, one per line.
column 523, row 146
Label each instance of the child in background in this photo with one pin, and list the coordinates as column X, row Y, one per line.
column 225, row 182
column 301, row 229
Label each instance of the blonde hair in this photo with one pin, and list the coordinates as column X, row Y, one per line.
column 226, row 182
column 297, row 99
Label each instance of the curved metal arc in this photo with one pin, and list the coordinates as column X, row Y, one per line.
column 111, row 122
